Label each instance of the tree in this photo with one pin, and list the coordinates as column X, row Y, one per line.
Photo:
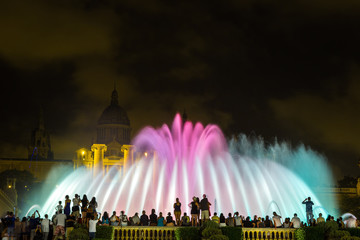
column 347, row 182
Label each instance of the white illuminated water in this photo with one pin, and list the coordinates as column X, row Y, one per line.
column 193, row 160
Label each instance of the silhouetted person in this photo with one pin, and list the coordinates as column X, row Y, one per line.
column 204, row 207
column 144, row 219
column 153, row 218
column 309, row 210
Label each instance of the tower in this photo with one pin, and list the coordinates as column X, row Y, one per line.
column 113, row 128
column 40, row 147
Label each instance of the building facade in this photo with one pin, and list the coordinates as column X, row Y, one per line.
column 111, row 149
column 112, row 145
column 40, row 156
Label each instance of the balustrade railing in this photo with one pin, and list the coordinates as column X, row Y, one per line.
column 144, row 233
column 168, row 233
column 268, row 233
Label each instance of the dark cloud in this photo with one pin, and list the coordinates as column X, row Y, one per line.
column 327, row 122
column 275, row 68
column 41, row 31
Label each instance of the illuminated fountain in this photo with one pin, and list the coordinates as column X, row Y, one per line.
column 188, row 160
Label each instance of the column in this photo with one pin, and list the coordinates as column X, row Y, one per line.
column 128, row 151
column 98, row 166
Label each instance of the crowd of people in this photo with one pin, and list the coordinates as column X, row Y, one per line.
column 85, row 212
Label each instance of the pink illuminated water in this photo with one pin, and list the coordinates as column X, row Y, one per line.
column 187, row 160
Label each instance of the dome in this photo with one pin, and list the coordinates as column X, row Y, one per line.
column 114, row 114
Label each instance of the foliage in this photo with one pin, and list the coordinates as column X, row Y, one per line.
column 233, row 233
column 209, row 224
column 218, row 237
column 79, row 234
column 328, row 230
column 105, row 232
column 310, row 233
column 353, row 231
column 208, row 232
column 300, row 234
column 350, row 238
column 187, row 233
column 80, row 226
column 339, row 234
column 315, row 233
column 347, row 182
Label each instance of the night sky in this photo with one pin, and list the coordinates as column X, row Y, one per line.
column 285, row 69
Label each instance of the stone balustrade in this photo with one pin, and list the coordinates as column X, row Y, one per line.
column 268, row 233
column 168, row 233
column 139, row 233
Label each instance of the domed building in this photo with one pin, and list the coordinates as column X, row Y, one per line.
column 113, row 127
column 112, row 145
